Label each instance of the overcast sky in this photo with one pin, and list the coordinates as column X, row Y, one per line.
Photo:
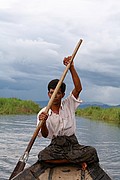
column 35, row 36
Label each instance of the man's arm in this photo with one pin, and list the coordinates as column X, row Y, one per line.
column 43, row 117
column 76, row 80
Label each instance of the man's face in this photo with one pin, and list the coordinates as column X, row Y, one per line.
column 58, row 97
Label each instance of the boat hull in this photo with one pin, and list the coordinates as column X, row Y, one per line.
column 62, row 172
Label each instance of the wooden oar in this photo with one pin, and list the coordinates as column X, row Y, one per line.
column 22, row 161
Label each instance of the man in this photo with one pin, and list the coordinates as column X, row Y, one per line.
column 59, row 125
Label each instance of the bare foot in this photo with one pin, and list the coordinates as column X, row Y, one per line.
column 84, row 166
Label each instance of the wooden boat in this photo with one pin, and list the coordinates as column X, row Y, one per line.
column 62, row 172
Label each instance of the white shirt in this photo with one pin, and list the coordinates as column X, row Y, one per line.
column 63, row 123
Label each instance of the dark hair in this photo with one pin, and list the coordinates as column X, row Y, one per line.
column 52, row 85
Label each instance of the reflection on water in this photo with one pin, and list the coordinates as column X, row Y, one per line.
column 16, row 131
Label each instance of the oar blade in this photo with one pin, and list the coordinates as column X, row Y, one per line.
column 19, row 168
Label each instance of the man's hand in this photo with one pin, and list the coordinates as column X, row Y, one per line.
column 43, row 116
column 76, row 80
column 66, row 61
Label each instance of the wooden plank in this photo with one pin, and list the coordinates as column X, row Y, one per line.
column 87, row 176
column 45, row 175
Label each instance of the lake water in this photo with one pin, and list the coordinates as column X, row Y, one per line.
column 16, row 131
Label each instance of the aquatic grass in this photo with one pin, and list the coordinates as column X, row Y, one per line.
column 111, row 115
column 18, row 106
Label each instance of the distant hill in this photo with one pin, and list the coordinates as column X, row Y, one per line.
column 88, row 104
column 83, row 105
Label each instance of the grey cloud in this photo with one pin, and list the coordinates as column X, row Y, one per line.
column 100, row 79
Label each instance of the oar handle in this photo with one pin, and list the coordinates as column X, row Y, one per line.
column 53, row 96
column 22, row 161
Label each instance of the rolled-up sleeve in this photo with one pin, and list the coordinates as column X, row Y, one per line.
column 74, row 102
